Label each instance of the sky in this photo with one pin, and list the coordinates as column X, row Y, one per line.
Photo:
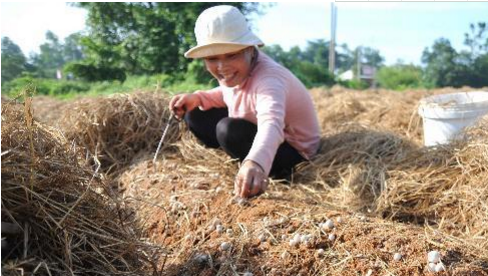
column 399, row 30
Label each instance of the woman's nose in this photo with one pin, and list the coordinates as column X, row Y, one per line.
column 223, row 64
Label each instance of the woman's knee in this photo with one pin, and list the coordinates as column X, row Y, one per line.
column 223, row 130
column 193, row 117
column 235, row 131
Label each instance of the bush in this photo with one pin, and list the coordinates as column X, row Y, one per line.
column 400, row 77
column 68, row 89
column 354, row 84
column 91, row 72
column 44, row 86
column 312, row 75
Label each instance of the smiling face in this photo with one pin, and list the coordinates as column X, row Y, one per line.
column 230, row 69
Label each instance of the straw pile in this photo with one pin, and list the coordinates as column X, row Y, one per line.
column 389, row 175
column 69, row 221
column 371, row 166
column 119, row 129
column 182, row 197
column 48, row 110
column 446, row 186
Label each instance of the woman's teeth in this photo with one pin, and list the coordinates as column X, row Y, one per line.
column 227, row 76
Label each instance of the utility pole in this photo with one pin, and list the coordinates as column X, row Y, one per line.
column 333, row 25
column 358, row 69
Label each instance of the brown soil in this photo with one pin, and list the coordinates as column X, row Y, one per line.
column 362, row 243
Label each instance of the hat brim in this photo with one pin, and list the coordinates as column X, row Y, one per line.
column 214, row 49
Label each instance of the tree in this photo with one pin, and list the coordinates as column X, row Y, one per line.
column 143, row 38
column 344, row 58
column 441, row 69
column 477, row 41
column 13, row 60
column 72, row 48
column 310, row 66
column 446, row 67
column 50, row 58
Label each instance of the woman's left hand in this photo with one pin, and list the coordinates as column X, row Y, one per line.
column 250, row 180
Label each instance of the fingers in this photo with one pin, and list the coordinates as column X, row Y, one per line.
column 173, row 101
column 245, row 186
column 177, row 105
column 249, row 185
column 256, row 185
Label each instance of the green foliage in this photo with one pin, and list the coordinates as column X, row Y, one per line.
column 91, row 72
column 44, row 86
column 477, row 40
column 354, row 84
column 400, row 77
column 310, row 66
column 446, row 67
column 313, row 75
column 69, row 89
column 480, row 71
column 197, row 73
column 441, row 66
column 144, row 38
column 54, row 54
column 13, row 60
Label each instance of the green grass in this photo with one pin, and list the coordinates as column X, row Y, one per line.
column 64, row 89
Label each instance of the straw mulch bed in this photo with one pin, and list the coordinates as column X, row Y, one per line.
column 181, row 198
column 120, row 128
column 371, row 165
column 68, row 220
column 383, row 110
column 48, row 110
column 368, row 171
column 392, row 194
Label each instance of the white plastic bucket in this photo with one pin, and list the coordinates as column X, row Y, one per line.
column 444, row 116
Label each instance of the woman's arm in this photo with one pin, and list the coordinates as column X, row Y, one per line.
column 210, row 98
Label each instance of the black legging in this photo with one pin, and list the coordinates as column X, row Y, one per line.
column 215, row 129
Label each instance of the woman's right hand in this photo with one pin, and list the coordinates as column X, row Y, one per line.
column 182, row 103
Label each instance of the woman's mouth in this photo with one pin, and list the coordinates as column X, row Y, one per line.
column 227, row 77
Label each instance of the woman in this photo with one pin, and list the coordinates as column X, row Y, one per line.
column 260, row 113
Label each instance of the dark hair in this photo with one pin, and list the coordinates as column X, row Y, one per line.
column 255, row 56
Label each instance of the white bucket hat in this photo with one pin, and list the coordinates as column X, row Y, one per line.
column 221, row 30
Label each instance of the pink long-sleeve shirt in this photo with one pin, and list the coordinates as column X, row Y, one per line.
column 278, row 103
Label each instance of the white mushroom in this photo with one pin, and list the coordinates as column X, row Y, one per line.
column 225, row 246
column 229, row 232
column 397, row 257
column 294, row 242
column 332, row 237
column 434, row 256
column 431, row 267
column 201, row 257
column 219, row 228
column 439, row 267
column 328, row 225
column 320, row 252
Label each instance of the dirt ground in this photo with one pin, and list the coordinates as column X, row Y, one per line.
column 182, row 215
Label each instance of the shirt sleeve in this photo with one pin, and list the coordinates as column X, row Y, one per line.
column 270, row 109
column 211, row 98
